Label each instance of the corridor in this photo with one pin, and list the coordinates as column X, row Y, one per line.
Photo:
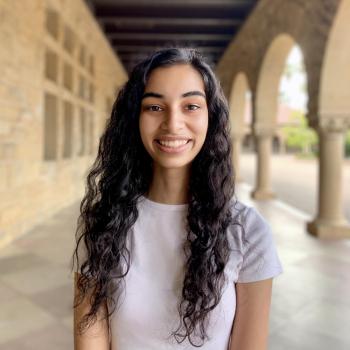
column 64, row 64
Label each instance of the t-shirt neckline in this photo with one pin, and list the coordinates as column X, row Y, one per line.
column 162, row 206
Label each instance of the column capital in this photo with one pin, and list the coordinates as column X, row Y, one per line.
column 263, row 130
column 333, row 122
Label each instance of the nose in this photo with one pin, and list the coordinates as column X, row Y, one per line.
column 173, row 120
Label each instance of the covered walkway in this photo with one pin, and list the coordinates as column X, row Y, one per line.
column 61, row 75
column 310, row 304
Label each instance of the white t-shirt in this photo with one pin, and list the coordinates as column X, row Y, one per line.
column 148, row 306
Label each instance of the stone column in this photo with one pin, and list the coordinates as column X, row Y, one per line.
column 263, row 139
column 236, row 151
column 330, row 221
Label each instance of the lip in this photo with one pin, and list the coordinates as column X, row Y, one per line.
column 176, row 150
column 173, row 138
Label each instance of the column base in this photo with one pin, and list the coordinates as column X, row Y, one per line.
column 329, row 231
column 263, row 194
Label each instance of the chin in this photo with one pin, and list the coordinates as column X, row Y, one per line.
column 172, row 163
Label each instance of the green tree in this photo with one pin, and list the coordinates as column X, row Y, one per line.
column 347, row 144
column 298, row 135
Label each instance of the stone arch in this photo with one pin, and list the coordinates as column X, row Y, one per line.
column 237, row 102
column 334, row 95
column 269, row 79
column 265, row 109
column 238, row 108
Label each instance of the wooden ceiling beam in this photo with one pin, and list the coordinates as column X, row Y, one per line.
column 149, row 48
column 169, row 37
column 172, row 3
column 154, row 21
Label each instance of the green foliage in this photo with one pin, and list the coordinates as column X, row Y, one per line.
column 347, row 144
column 298, row 135
column 304, row 140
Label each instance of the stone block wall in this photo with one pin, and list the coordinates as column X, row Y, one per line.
column 59, row 77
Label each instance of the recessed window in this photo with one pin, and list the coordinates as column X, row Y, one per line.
column 67, row 129
column 51, row 65
column 91, row 64
column 50, row 127
column 68, row 76
column 69, row 39
column 91, row 132
column 91, row 93
column 82, row 87
column 52, row 23
column 82, row 131
column 82, row 55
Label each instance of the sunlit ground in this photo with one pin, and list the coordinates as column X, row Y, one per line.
column 295, row 181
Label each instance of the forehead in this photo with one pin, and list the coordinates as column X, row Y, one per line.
column 175, row 79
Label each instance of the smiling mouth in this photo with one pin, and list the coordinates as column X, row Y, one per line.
column 175, row 149
column 174, row 146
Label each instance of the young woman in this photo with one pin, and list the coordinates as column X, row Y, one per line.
column 166, row 256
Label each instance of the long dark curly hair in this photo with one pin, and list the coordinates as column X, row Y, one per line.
column 122, row 172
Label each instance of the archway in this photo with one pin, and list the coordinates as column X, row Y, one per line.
column 240, row 107
column 266, row 108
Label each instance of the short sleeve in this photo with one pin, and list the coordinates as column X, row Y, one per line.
column 260, row 257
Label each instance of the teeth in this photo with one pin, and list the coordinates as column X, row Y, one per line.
column 173, row 144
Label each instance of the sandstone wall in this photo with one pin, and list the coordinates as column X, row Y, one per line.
column 58, row 80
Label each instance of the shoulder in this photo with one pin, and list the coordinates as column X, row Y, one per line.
column 251, row 221
column 246, row 212
column 245, row 219
column 249, row 230
column 251, row 235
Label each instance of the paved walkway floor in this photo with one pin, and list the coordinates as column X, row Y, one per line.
column 310, row 304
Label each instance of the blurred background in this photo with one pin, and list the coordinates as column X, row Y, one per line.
column 284, row 67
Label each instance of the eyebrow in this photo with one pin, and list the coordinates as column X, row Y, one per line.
column 186, row 94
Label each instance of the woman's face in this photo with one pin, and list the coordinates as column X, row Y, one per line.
column 174, row 107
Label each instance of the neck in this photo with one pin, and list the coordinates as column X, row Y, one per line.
column 169, row 186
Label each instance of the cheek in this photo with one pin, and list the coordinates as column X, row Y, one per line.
column 142, row 122
column 201, row 127
column 145, row 125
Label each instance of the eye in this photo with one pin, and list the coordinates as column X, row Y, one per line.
column 192, row 107
column 153, row 108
